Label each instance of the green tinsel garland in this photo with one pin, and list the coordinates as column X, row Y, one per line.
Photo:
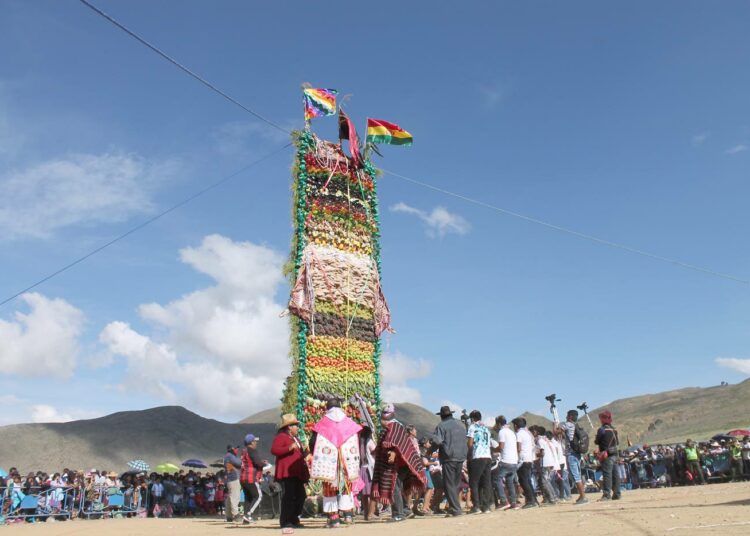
column 304, row 143
column 370, row 170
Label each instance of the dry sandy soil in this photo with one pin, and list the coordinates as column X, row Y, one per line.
column 716, row 509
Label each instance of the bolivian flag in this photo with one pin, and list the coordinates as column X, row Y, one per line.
column 379, row 131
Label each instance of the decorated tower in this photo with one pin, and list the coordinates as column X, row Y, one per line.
column 337, row 303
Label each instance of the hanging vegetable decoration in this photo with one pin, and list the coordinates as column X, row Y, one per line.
column 336, row 280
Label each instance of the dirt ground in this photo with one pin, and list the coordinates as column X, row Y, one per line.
column 716, row 509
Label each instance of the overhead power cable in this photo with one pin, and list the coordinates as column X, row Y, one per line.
column 569, row 231
column 145, row 223
column 429, row 186
column 180, row 66
column 397, row 175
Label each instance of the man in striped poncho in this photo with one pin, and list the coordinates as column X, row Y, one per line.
column 398, row 465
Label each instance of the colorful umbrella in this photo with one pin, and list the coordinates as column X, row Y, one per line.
column 739, row 433
column 3, row 473
column 192, row 462
column 138, row 465
column 167, row 468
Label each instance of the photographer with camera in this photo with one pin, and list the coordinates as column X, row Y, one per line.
column 576, row 446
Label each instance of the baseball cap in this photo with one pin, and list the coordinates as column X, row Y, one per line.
column 249, row 438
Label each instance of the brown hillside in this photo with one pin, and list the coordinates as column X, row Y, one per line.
column 673, row 416
column 165, row 434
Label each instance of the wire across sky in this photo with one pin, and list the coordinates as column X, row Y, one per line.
column 416, row 182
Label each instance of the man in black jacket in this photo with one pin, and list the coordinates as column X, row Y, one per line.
column 450, row 438
column 608, row 444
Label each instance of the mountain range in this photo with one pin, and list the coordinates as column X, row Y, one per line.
column 173, row 433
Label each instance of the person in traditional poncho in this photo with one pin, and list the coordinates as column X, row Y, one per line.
column 398, row 465
column 334, row 444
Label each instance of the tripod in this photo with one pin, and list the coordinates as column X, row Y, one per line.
column 585, row 408
column 553, row 408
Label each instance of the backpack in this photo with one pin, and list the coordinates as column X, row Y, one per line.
column 580, row 442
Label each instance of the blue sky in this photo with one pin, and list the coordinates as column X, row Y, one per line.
column 628, row 122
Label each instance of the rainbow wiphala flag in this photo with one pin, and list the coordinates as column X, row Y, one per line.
column 319, row 102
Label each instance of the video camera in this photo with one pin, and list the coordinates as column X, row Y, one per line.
column 465, row 418
column 553, row 407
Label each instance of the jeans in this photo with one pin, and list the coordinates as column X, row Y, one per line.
column 479, row 482
column 610, row 477
column 562, row 484
column 506, row 477
column 524, row 477
column 550, row 495
column 397, row 506
column 451, row 481
column 574, row 466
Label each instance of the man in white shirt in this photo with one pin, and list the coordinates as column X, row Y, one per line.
column 560, row 483
column 526, row 455
column 508, row 464
column 548, row 462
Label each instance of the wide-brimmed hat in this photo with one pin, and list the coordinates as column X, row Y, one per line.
column 445, row 411
column 288, row 419
column 112, row 474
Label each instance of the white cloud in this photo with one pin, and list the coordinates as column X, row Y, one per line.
column 222, row 349
column 241, row 137
column 739, row 148
column 736, row 364
column 79, row 189
column 439, row 222
column 42, row 413
column 397, row 370
column 458, row 408
column 700, row 138
column 43, row 342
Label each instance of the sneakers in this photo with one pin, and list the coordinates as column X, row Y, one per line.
column 506, row 507
column 246, row 520
column 529, row 505
column 515, row 507
column 582, row 500
column 396, row 519
column 474, row 511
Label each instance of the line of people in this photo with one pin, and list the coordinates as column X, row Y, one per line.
column 398, row 472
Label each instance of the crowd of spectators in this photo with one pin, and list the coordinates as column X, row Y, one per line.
column 99, row 494
column 90, row 494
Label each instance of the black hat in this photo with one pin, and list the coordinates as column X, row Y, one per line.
column 445, row 411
